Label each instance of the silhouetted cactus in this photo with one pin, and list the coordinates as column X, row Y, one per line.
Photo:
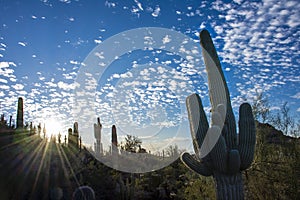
column 39, row 129
column 75, row 129
column 44, row 131
column 10, row 119
column 114, row 138
column 20, row 123
column 31, row 131
column 59, row 138
column 70, row 136
column 65, row 140
column 70, row 131
column 75, row 136
column 127, row 189
column 227, row 157
column 97, row 134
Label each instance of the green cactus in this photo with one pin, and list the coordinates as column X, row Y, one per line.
column 227, row 157
column 127, row 189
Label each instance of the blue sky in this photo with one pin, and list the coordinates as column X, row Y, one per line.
column 43, row 44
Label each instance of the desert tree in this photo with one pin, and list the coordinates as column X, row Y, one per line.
column 131, row 143
column 283, row 119
column 260, row 107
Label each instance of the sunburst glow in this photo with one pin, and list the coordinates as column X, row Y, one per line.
column 53, row 127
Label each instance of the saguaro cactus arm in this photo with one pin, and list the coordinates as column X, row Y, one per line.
column 247, row 136
column 218, row 152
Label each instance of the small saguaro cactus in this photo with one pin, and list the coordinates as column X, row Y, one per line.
column 218, row 152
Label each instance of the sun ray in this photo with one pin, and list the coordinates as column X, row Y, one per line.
column 70, row 166
column 45, row 145
column 24, row 160
column 17, row 138
column 65, row 163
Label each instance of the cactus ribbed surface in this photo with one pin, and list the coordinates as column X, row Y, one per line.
column 227, row 157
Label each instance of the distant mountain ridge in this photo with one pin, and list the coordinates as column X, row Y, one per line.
column 272, row 135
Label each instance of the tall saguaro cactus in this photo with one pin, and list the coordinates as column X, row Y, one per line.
column 97, row 135
column 75, row 129
column 114, row 138
column 218, row 152
column 20, row 123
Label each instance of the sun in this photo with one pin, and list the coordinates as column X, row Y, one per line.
column 53, row 127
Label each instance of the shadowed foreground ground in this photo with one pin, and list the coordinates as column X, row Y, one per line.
column 33, row 168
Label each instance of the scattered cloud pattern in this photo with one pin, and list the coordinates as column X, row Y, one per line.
column 42, row 48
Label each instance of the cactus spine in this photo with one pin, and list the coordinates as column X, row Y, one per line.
column 227, row 158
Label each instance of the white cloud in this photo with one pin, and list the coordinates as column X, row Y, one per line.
column 97, row 41
column 139, row 4
column 7, row 64
column 74, row 62
column 296, row 96
column 156, row 11
column 123, row 76
column 238, row 1
column 275, row 108
column 251, row 25
column 256, row 47
column 116, row 76
column 65, row 1
column 21, row 92
column 22, row 44
column 3, row 80
column 6, row 70
column 2, row 45
column 51, row 84
column 110, row 4
column 71, row 75
column 4, row 87
column 65, row 86
column 166, row 39
column 18, row 86
column 135, row 10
